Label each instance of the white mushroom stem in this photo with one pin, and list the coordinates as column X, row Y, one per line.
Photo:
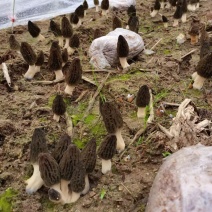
column 70, row 50
column 176, row 22
column 85, row 11
column 106, row 166
column 151, row 109
column 165, row 25
column 104, row 12
column 69, row 89
column 37, row 69
column 40, row 37
column 154, row 13
column 56, row 117
column 141, row 113
column 184, row 18
column 123, row 62
column 74, row 197
column 191, row 7
column 65, row 190
column 6, row 73
column 66, row 43
column 168, row 5
column 35, row 181
column 120, row 141
column 58, row 74
column 197, row 5
column 74, row 25
column 30, row 72
column 198, row 82
column 87, row 185
column 79, row 22
column 60, row 39
column 97, row 8
column 162, row 5
column 127, row 27
column 194, row 75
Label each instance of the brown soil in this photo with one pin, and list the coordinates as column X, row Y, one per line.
column 126, row 188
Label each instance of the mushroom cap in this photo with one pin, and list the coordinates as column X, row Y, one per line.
column 107, row 148
column 66, row 28
column 80, row 11
column 96, row 2
column 204, row 49
column 97, row 33
column 49, row 169
column 85, row 5
column 157, row 5
column 73, row 72
column 55, row 28
column 55, row 44
column 143, row 96
column 131, row 11
column 77, row 183
column 54, row 195
column 173, row 3
column 61, row 147
column 38, row 144
column 122, row 47
column 40, row 59
column 33, row 29
column 55, row 59
column 28, row 53
column 204, row 67
column 69, row 161
column 74, row 18
column 178, row 12
column 64, row 55
column 116, row 23
column 164, row 19
column 14, row 44
column 111, row 116
column 105, row 4
column 184, row 6
column 133, row 23
column 88, row 155
column 58, row 106
column 74, row 42
column 194, row 31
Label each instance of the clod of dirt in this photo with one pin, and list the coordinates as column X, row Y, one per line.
column 7, row 127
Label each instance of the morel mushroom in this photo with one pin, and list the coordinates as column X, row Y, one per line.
column 142, row 100
column 122, row 51
column 113, row 122
column 88, row 156
column 85, row 5
column 116, row 23
column 39, row 62
column 69, row 161
column 156, row 8
column 14, row 44
column 106, row 151
column 203, row 71
column 64, row 56
column 184, row 11
column 50, row 173
column 73, row 43
column 105, row 7
column 58, row 107
column 55, row 28
column 131, row 11
column 133, row 24
column 80, row 13
column 177, row 15
column 37, row 146
column 30, row 57
column 96, row 3
column 73, row 75
column 34, row 31
column 67, row 30
column 165, row 21
column 61, row 147
column 74, row 20
column 194, row 34
column 55, row 61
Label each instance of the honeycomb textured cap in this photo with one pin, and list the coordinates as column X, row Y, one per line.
column 55, row 59
column 80, row 11
column 204, row 67
column 143, row 96
column 55, row 28
column 122, row 47
column 74, row 42
column 33, row 29
column 40, row 59
column 66, row 28
column 105, row 4
column 28, row 53
column 14, row 44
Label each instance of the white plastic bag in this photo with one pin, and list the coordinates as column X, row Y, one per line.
column 103, row 52
column 184, row 182
column 121, row 4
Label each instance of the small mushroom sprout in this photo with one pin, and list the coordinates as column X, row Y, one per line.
column 34, row 31
column 58, row 107
column 85, row 5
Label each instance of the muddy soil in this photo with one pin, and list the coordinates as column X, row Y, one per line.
column 28, row 106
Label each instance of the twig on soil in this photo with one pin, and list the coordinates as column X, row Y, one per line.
column 100, row 70
column 81, row 96
column 127, row 190
column 171, row 104
column 145, row 70
column 89, row 80
column 192, row 51
column 157, row 43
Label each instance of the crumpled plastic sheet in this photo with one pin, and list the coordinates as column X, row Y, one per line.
column 184, row 182
column 121, row 4
column 103, row 50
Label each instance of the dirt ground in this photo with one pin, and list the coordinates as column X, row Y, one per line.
column 127, row 187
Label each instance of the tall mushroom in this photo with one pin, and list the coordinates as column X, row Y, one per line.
column 105, row 7
column 74, row 42
column 88, row 156
column 96, row 3
column 106, row 151
column 156, row 9
column 30, row 57
column 122, row 51
column 80, row 13
column 67, row 30
column 14, row 44
column 73, row 75
column 37, row 146
column 55, row 28
column 58, row 107
column 177, row 15
column 34, row 31
column 113, row 122
column 203, row 71
column 85, row 5
column 133, row 24
column 74, row 20
column 116, row 23
column 165, row 21
column 39, row 61
column 184, row 11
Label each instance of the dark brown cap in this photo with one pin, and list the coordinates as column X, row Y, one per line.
column 33, row 29
column 164, row 19
column 61, row 147
column 85, row 5
column 116, row 23
column 131, row 11
column 204, row 67
column 73, row 72
column 55, row 28
column 122, row 47
column 157, row 5
column 55, row 44
column 58, row 106
column 184, row 6
column 204, row 48
column 105, row 4
column 66, row 28
column 65, row 55
column 88, row 155
column 143, row 96
column 55, row 59
column 107, row 148
column 194, row 31
column 38, row 145
column 178, row 13
column 49, row 169
column 40, row 59
column 96, row 2
column 69, row 161
column 111, row 116
column 80, row 11
column 74, row 18
column 14, row 44
column 74, row 42
column 133, row 24
column 28, row 53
